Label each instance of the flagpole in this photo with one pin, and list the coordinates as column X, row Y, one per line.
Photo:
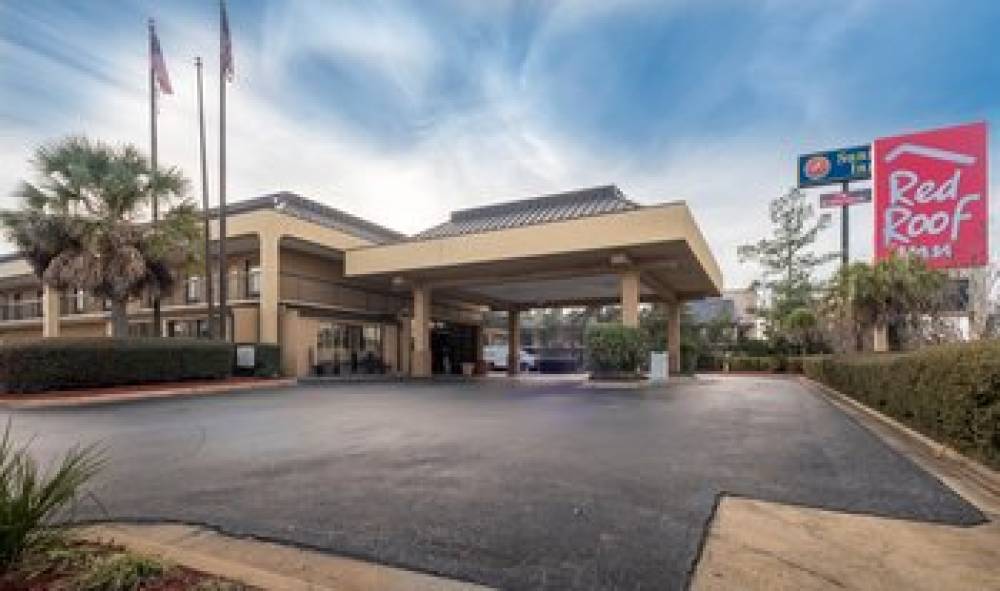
column 205, row 206
column 223, row 272
column 157, row 321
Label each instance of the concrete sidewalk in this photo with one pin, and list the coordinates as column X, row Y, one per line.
column 263, row 564
column 759, row 545
column 769, row 546
column 132, row 393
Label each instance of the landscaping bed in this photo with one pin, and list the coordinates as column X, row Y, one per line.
column 85, row 566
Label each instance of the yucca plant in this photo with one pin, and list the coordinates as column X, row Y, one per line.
column 31, row 500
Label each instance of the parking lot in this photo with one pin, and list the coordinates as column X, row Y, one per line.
column 515, row 485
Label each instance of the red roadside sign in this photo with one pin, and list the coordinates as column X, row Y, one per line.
column 931, row 196
column 843, row 198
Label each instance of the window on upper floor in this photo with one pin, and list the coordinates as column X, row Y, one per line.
column 193, row 290
column 253, row 281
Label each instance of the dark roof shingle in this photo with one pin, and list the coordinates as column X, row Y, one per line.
column 536, row 210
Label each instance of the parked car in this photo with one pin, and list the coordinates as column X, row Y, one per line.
column 495, row 357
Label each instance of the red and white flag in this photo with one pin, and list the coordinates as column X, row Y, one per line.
column 226, row 56
column 156, row 63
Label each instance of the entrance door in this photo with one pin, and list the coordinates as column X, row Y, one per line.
column 451, row 346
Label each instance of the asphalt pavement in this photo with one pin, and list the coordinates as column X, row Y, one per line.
column 548, row 486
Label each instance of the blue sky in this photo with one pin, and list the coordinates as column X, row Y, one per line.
column 402, row 111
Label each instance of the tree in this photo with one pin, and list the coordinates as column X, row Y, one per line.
column 787, row 257
column 83, row 224
column 800, row 325
column 898, row 293
column 984, row 302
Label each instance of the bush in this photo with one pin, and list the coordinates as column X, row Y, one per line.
column 48, row 364
column 267, row 360
column 29, row 499
column 765, row 364
column 614, row 350
column 950, row 393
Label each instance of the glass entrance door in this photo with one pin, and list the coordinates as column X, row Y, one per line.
column 344, row 348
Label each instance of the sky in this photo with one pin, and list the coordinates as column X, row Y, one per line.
column 400, row 112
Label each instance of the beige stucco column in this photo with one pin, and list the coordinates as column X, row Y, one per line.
column 630, row 298
column 270, row 282
column 674, row 336
column 405, row 345
column 880, row 339
column 50, row 311
column 420, row 326
column 513, row 341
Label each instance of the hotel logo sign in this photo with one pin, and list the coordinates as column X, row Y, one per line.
column 835, row 166
column 931, row 196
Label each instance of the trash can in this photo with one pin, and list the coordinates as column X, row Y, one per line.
column 658, row 367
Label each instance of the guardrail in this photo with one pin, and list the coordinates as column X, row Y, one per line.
column 21, row 310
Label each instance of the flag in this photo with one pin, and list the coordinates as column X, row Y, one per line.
column 157, row 64
column 226, row 59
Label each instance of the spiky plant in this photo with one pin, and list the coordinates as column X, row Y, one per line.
column 30, row 499
column 85, row 223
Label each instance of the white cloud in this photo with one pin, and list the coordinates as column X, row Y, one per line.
column 495, row 148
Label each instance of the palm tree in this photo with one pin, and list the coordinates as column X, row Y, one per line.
column 83, row 223
column 898, row 291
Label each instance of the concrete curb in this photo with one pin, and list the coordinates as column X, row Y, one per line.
column 226, row 569
column 262, row 564
column 977, row 483
column 40, row 402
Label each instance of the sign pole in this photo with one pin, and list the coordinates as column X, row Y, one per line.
column 845, row 229
column 157, row 314
column 209, row 292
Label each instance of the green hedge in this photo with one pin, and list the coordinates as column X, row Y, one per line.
column 614, row 350
column 950, row 393
column 49, row 364
column 267, row 360
column 767, row 364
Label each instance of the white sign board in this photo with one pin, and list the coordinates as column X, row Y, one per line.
column 245, row 357
column 658, row 367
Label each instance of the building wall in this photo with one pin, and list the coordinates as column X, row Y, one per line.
column 312, row 289
column 13, row 334
column 246, row 325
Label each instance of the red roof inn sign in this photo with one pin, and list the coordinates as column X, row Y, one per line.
column 931, row 196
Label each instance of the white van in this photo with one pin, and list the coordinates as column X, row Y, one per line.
column 495, row 357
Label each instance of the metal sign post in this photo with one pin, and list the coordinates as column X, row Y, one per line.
column 830, row 167
column 845, row 228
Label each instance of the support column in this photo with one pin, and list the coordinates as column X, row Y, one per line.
column 50, row 311
column 405, row 345
column 630, row 298
column 513, row 341
column 270, row 282
column 420, row 363
column 674, row 336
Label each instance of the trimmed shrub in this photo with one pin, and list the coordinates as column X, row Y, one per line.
column 267, row 360
column 614, row 350
column 950, row 393
column 765, row 364
column 49, row 364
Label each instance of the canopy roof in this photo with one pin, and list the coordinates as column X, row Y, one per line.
column 564, row 249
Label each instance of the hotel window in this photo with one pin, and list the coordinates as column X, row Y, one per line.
column 78, row 301
column 253, row 281
column 193, row 289
column 372, row 342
